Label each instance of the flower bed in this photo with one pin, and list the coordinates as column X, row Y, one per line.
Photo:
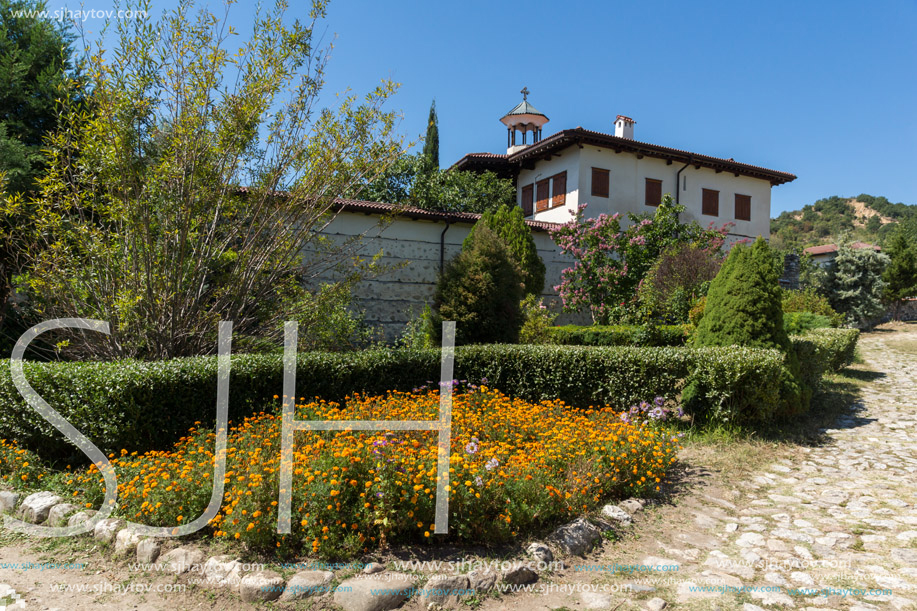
column 516, row 466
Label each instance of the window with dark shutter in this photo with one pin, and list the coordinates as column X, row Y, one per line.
column 653, row 192
column 743, row 207
column 528, row 196
column 711, row 203
column 560, row 189
column 543, row 191
column 600, row 182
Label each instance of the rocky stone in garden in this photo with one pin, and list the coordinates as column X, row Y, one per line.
column 447, row 589
column 596, row 600
column 750, row 539
column 148, row 551
column 576, row 538
column 905, row 555
column 8, row 501
column 106, row 530
column 482, row 581
column 80, row 517
column 520, row 575
column 126, row 541
column 307, row 583
column 223, row 571
column 182, row 559
column 380, row 593
column 372, row 568
column 60, row 512
column 540, row 551
column 36, row 507
column 656, row 604
column 770, row 598
column 613, row 512
column 263, row 586
column 631, row 506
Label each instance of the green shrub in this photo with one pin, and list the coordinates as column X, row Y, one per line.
column 744, row 308
column 679, row 277
column 838, row 346
column 809, row 300
column 796, row 323
column 823, row 350
column 538, row 321
column 618, row 335
column 141, row 406
column 508, row 222
column 480, row 290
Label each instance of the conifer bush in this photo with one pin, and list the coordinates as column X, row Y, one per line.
column 481, row 290
column 508, row 222
column 744, row 308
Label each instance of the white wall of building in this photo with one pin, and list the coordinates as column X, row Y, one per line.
column 413, row 246
column 568, row 162
column 627, row 182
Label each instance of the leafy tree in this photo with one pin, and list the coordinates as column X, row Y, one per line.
column 677, row 279
column 152, row 230
column 508, row 222
column 610, row 261
column 406, row 182
column 431, row 142
column 743, row 308
column 481, row 290
column 900, row 276
column 34, row 57
column 855, row 285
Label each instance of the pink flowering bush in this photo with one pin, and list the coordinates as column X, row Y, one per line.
column 611, row 261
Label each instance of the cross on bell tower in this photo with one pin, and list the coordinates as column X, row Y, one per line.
column 523, row 118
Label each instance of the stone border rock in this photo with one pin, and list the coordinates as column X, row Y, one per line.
column 578, row 538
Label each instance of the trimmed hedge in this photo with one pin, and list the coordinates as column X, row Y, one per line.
column 141, row 406
column 149, row 405
column 822, row 351
column 619, row 335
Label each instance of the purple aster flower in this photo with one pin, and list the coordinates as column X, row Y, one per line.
column 478, row 481
column 471, row 447
column 492, row 464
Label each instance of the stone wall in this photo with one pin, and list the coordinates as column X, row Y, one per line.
column 412, row 246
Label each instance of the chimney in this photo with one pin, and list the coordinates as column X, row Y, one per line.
column 624, row 127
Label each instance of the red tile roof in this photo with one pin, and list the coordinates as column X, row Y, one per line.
column 367, row 207
column 625, row 118
column 580, row 136
column 825, row 249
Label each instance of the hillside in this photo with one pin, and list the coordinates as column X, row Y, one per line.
column 864, row 217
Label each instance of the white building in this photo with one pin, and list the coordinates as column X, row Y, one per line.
column 616, row 173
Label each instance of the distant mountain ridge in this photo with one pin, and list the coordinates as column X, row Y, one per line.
column 865, row 217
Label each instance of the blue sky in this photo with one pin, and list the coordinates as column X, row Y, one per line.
column 825, row 90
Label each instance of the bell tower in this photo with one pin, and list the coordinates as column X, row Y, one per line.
column 523, row 118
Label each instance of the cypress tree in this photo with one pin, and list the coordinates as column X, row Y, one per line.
column 508, row 222
column 901, row 274
column 431, row 142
